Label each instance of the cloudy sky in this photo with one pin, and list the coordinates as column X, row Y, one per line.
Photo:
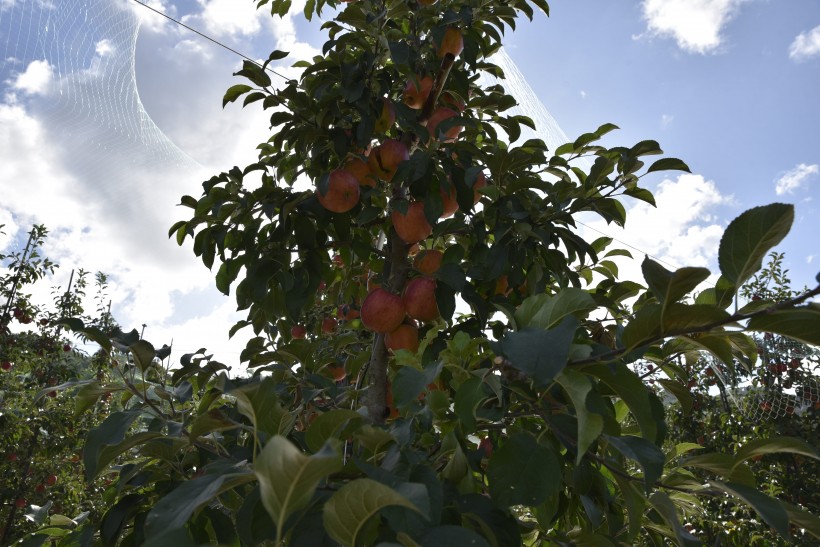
column 109, row 113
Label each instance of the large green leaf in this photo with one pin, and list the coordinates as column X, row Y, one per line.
column 349, row 509
column 666, row 509
column 260, row 404
column 802, row 324
column 143, row 353
column 723, row 465
column 683, row 318
column 173, row 511
column 111, row 432
column 540, row 354
column 523, row 472
column 647, row 454
column 680, row 391
column 803, row 519
column 288, row 478
column 775, row 445
column 749, row 237
column 590, row 424
column 644, row 327
column 669, row 287
column 544, row 311
column 629, row 387
column 469, row 395
column 770, row 509
column 329, row 425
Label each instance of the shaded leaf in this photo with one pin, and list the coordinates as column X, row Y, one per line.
column 802, row 324
column 349, row 509
column 775, row 445
column 647, row 454
column 770, row 509
column 590, row 424
column 666, row 509
column 260, row 404
column 540, row 354
column 523, row 472
column 544, row 311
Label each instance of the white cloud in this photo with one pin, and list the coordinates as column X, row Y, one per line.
column 666, row 119
column 805, row 45
column 149, row 19
column 696, row 25
column 36, row 79
column 104, row 48
column 682, row 231
column 795, row 178
column 229, row 18
column 583, row 94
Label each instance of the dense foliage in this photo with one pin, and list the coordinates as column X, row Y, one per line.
column 439, row 358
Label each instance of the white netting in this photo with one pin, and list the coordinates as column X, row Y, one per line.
column 85, row 50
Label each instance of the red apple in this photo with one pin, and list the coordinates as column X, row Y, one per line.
column 20, row 503
column 11, row 456
column 452, row 42
column 452, row 101
column 486, row 446
column 439, row 115
column 448, row 202
column 6, row 365
column 66, row 347
column 387, row 116
column 357, row 167
column 328, row 325
column 40, row 488
column 382, row 311
column 52, row 394
column 342, row 192
column 337, row 371
column 416, row 93
column 403, row 337
column 480, row 182
column 385, row 159
column 298, row 331
column 412, row 227
column 420, row 299
column 428, row 262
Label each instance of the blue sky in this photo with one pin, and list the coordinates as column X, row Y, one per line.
column 101, row 154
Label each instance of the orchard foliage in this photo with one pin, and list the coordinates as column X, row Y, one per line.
column 438, row 357
column 519, row 417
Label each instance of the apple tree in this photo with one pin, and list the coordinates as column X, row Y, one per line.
column 438, row 357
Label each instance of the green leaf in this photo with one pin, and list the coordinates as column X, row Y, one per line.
column 683, row 318
column 260, row 404
column 449, row 535
column 590, row 424
column 629, row 387
column 749, row 237
column 143, row 353
column 635, row 503
column 681, row 393
column 644, row 327
column 234, row 92
column 802, row 519
column 110, row 432
column 349, row 509
column 544, row 311
column 173, row 511
column 523, row 472
column 770, row 509
column 668, row 164
column 802, row 324
column 666, row 509
column 723, row 465
column 669, row 287
column 288, row 478
column 775, row 445
column 647, row 454
column 469, row 395
column 540, row 354
column 331, row 425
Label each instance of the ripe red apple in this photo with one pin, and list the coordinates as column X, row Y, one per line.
column 387, row 116
column 298, row 332
column 337, row 371
column 420, row 299
column 357, row 167
column 412, row 227
column 6, row 365
column 328, row 325
column 439, row 115
column 382, row 311
column 66, row 347
column 342, row 192
column 40, row 488
column 52, row 394
column 480, row 182
column 25, row 320
column 428, row 262
column 452, row 42
column 11, row 456
column 385, row 159
column 18, row 313
column 44, row 322
column 416, row 95
column 448, row 202
column 20, row 503
column 486, row 446
column 453, row 102
column 405, row 336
